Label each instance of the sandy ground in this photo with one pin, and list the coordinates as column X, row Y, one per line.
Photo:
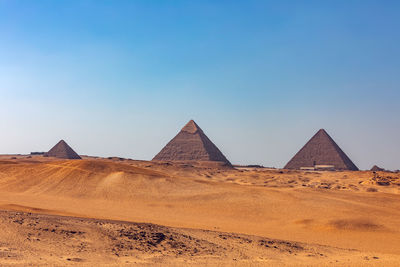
column 214, row 216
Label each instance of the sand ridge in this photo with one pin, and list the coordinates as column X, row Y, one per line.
column 54, row 240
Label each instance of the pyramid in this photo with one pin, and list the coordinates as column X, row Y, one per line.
column 191, row 144
column 62, row 150
column 375, row 168
column 321, row 150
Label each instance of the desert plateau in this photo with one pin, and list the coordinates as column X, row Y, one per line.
column 118, row 211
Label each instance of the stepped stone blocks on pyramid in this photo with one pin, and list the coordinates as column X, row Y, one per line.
column 191, row 144
column 322, row 151
column 62, row 150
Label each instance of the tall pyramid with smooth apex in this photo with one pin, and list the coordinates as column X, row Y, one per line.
column 191, row 144
column 62, row 150
column 319, row 151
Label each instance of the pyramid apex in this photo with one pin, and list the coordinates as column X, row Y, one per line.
column 322, row 131
column 191, row 122
column 62, row 142
column 191, row 127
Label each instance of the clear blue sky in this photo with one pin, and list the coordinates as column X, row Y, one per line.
column 120, row 78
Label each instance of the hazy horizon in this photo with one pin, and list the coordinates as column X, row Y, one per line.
column 259, row 77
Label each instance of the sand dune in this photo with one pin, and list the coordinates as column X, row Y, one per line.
column 345, row 210
column 54, row 240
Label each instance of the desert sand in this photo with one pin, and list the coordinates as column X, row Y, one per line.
column 111, row 211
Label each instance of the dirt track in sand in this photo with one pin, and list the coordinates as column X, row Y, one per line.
column 347, row 210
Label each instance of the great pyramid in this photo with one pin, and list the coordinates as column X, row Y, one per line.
column 191, row 144
column 321, row 150
column 62, row 150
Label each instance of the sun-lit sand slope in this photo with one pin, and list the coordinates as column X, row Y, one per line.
column 347, row 210
column 35, row 239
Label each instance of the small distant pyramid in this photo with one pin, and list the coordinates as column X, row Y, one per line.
column 62, row 150
column 375, row 168
column 191, row 144
column 321, row 150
